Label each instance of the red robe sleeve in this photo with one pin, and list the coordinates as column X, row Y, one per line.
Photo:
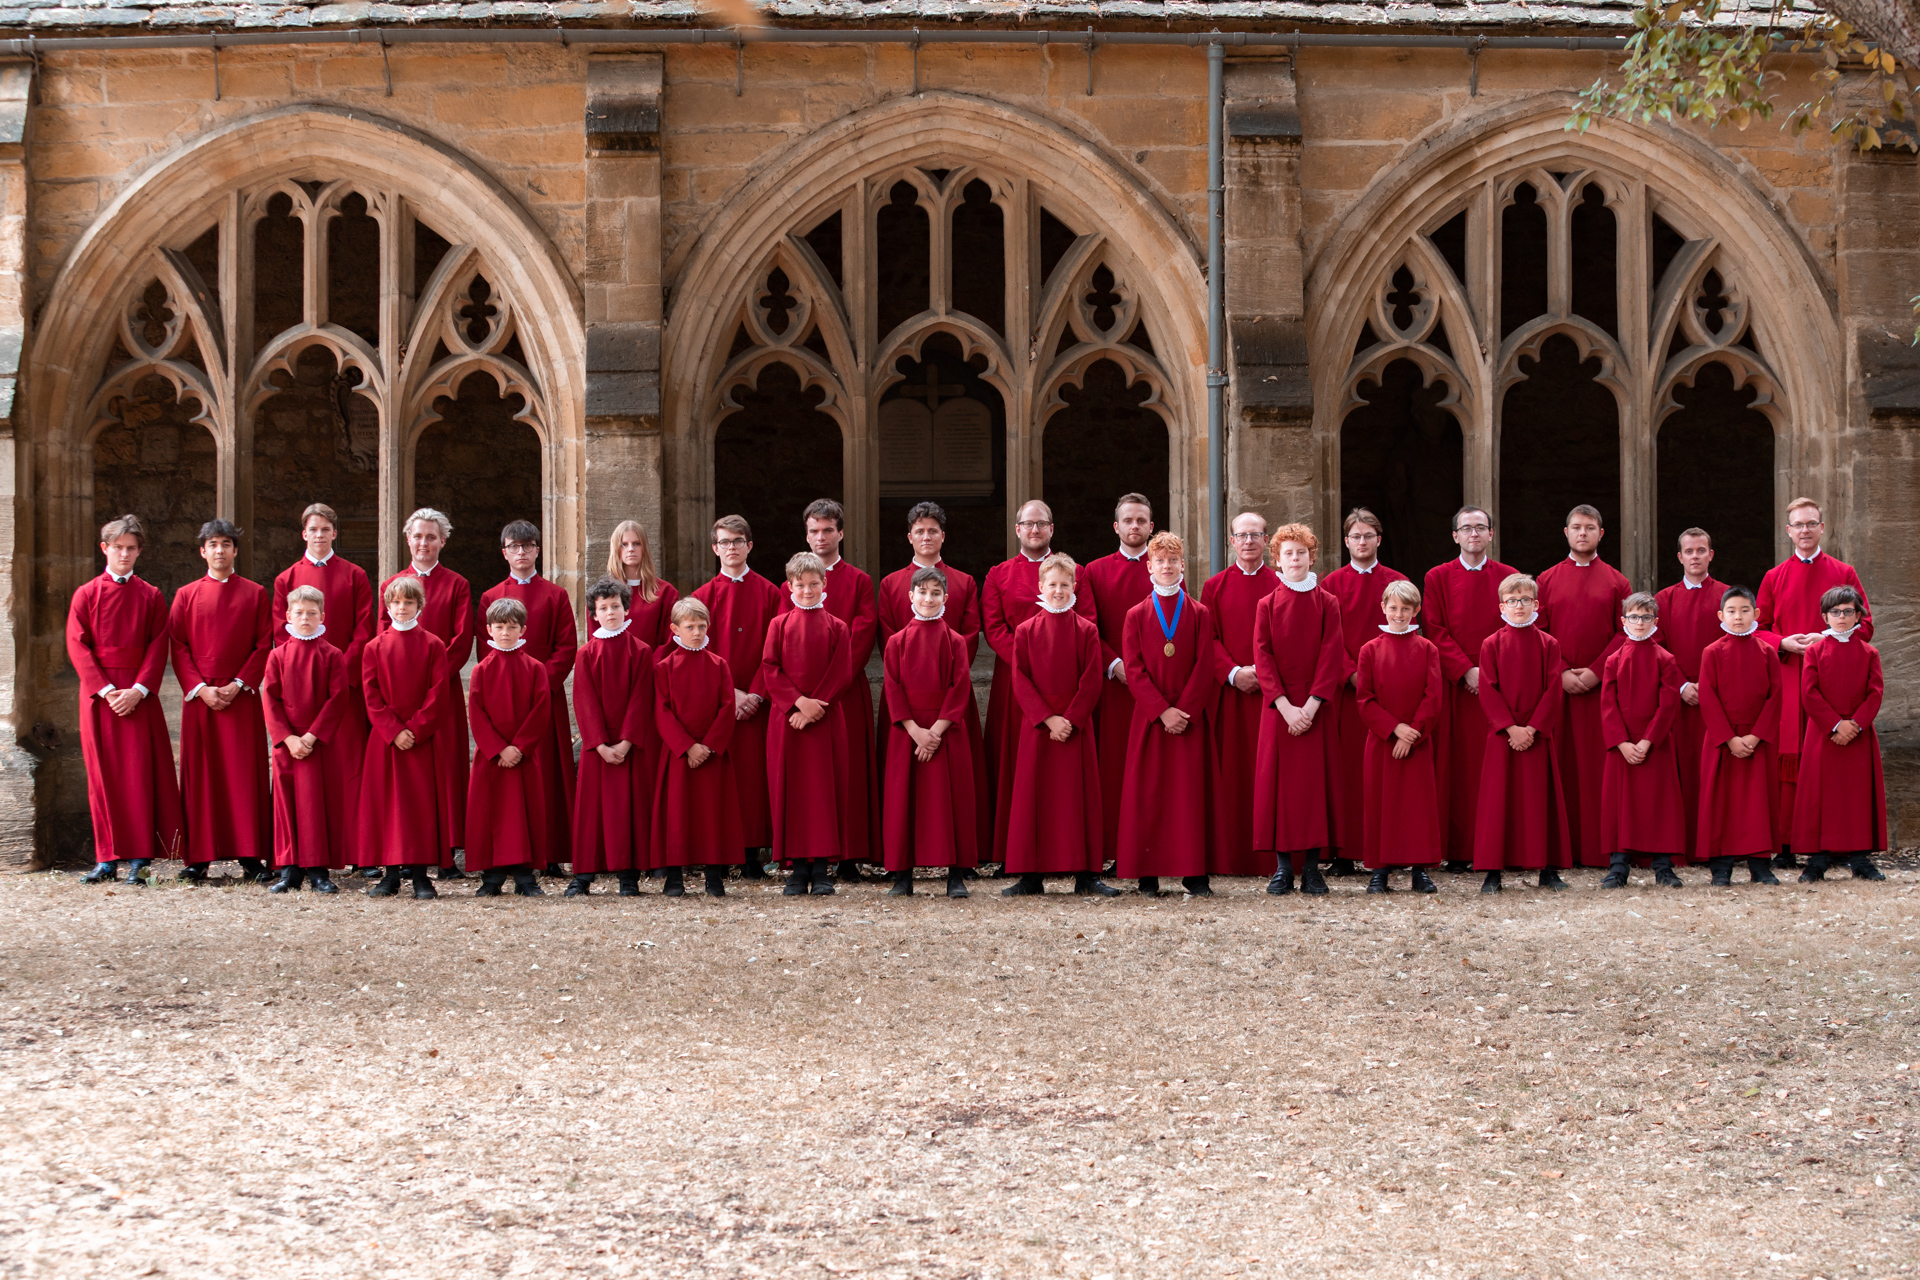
column 1546, row 712
column 385, row 722
column 864, row 622
column 1147, row 696
column 677, row 737
column 1869, row 708
column 1331, row 671
column 153, row 664
column 1767, row 727
column 1427, row 718
column 362, row 621
column 588, row 716
column 772, row 677
column 953, row 708
column 993, row 609
column 893, row 689
column 179, row 627
column 1379, row 721
column 969, row 627
column 1668, row 709
column 433, row 706
column 460, row 643
column 1454, row 662
column 274, row 707
column 1500, row 716
column 1079, row 712
column 565, row 640
column 636, row 718
column 489, row 739
column 254, row 669
column 1865, row 627
column 1719, row 729
column 81, row 644
column 538, row 722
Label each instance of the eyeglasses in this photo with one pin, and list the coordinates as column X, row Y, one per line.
column 1804, row 526
column 1368, row 536
column 1516, row 600
column 523, row 546
column 1033, row 524
column 1475, row 528
column 1259, row 536
column 727, row 544
column 1844, row 611
column 1641, row 617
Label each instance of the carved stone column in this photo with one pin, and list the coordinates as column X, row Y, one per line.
column 16, row 526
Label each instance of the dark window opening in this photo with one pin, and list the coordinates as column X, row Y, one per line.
column 1103, row 444
column 1401, row 456
column 353, row 270
column 1559, row 447
column 279, row 272
column 904, row 240
column 483, row 467
column 1523, row 261
column 1596, row 261
column 825, row 239
column 1715, row 470
column 979, row 257
column 770, row 459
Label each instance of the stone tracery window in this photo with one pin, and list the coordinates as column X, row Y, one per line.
column 323, row 343
column 1558, row 337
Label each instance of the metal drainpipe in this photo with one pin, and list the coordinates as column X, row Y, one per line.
column 1216, row 308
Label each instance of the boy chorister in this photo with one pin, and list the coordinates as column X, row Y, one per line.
column 117, row 642
column 613, row 702
column 1740, row 704
column 1400, row 691
column 1166, row 801
column 807, row 668
column 696, row 808
column 1643, row 810
column 1522, row 819
column 1049, row 820
column 931, row 806
column 1840, row 807
column 510, row 706
column 403, row 674
column 304, row 695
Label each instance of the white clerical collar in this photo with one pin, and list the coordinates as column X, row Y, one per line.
column 1357, row 568
column 1409, row 631
column 408, row 625
column 601, row 633
column 506, row 648
column 1808, row 559
column 1305, row 585
column 1691, row 585
column 426, row 572
column 1651, row 632
column 317, row 632
column 1584, row 564
column 1171, row 591
column 310, row 560
column 1752, row 630
column 731, row 578
column 633, row 582
column 1473, row 568
column 935, row 618
column 119, row 578
column 835, row 565
column 937, row 563
column 1035, row 559
column 1126, row 555
column 1065, row 608
column 808, row 607
column 1249, row 573
column 704, row 642
column 228, row 578
column 519, row 581
column 1519, row 625
column 1842, row 636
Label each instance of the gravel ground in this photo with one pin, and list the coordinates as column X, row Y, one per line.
column 215, row 1081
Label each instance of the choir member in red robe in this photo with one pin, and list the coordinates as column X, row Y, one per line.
column 552, row 640
column 448, row 616
column 1740, row 700
column 1789, row 607
column 1522, row 822
column 931, row 803
column 1050, row 821
column 1400, row 692
column 1166, row 807
column 1010, row 596
column 1580, row 607
column 117, row 642
column 1689, row 622
column 403, row 674
column 613, row 701
column 303, row 694
column 1461, row 606
column 512, row 703
column 1840, row 811
column 1642, row 812
column 927, row 534
column 630, row 560
column 850, row 598
column 742, row 604
column 220, row 645
column 351, row 606
column 1300, row 653
column 808, row 668
column 1114, row 584
column 1233, row 598
column 696, row 809
column 1359, row 586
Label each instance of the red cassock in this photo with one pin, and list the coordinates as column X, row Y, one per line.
column 1233, row 598
column 1740, row 693
column 808, row 654
column 449, row 615
column 552, row 640
column 932, row 808
column 1642, row 808
column 304, row 691
column 962, row 618
column 350, row 612
column 1398, row 682
column 1049, row 821
column 1115, row 583
column 651, row 621
column 507, row 818
column 403, row 675
column 1300, row 652
column 741, row 614
column 1166, row 805
column 1459, row 609
column 1580, row 607
column 220, row 634
column 696, row 812
column 1010, row 597
column 1522, row 819
column 850, row 598
column 1789, row 605
column 1689, row 622
column 117, row 635
column 1360, row 619
column 1841, row 806
column 613, row 803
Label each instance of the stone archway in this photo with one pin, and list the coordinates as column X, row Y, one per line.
column 944, row 145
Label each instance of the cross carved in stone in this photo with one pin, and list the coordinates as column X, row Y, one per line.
column 933, row 391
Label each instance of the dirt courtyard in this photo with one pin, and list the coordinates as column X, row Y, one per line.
column 220, row 1082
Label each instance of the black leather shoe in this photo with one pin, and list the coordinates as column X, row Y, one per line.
column 821, row 886
column 489, row 888
column 1758, row 872
column 196, row 873
column 1492, row 883
column 902, row 886
column 289, row 881
column 1379, row 883
column 1422, row 882
column 848, row 872
column 957, row 883
column 137, row 871
column 1616, row 877
column 1197, row 886
column 1550, row 879
column 322, row 883
column 1027, row 886
column 1281, row 884
column 527, row 885
column 385, row 887
column 630, row 882
column 1456, row 866
column 1785, row 859
column 1816, row 870
column 755, row 866
column 969, row 873
column 1311, row 881
column 450, row 873
column 1722, row 871
column 799, row 877
column 1863, row 868
column 1667, row 878
column 579, row 887
column 716, row 882
column 1087, row 883
column 102, row 873
column 1341, row 867
column 423, row 887
column 676, row 885
column 1150, row 886
column 252, row 871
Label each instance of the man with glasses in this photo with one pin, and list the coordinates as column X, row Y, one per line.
column 1461, row 608
column 1233, row 597
column 1116, row 583
column 742, row 605
column 1789, row 606
column 1358, row 585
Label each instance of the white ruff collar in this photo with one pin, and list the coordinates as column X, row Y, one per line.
column 808, row 607
column 1844, row 637
column 317, row 632
column 1312, row 581
column 601, row 633
column 704, row 642
column 398, row 625
column 506, row 648
column 935, row 618
column 1753, row 630
column 1651, row 633
column 1412, row 630
column 1520, row 625
column 1171, row 591
column 1066, row 608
